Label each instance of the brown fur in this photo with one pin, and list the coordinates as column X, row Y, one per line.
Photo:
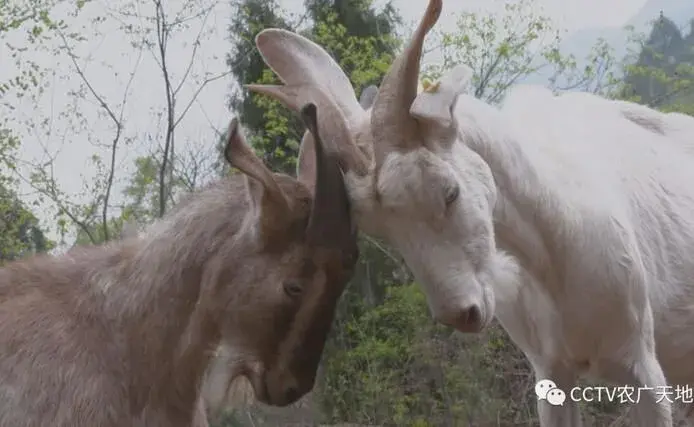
column 122, row 334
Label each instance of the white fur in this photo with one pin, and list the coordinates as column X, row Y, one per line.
column 616, row 197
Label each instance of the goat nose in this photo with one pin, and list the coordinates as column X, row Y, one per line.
column 468, row 320
column 292, row 394
column 296, row 389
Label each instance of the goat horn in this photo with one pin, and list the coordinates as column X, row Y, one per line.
column 391, row 123
column 330, row 222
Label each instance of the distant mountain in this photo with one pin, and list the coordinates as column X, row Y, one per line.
column 579, row 43
column 670, row 53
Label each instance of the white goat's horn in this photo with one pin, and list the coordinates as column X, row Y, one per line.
column 391, row 123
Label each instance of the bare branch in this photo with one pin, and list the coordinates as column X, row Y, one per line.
column 197, row 93
column 162, row 40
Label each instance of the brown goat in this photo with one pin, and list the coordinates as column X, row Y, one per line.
column 121, row 335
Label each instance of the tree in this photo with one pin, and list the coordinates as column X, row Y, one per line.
column 28, row 24
column 245, row 63
column 247, row 66
column 106, row 114
column 661, row 72
column 360, row 40
column 359, row 21
column 20, row 232
column 504, row 49
column 31, row 22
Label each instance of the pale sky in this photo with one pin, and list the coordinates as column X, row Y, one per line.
column 112, row 59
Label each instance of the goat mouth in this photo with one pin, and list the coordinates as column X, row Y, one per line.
column 254, row 374
column 260, row 386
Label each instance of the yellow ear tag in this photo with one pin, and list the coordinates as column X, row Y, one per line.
column 430, row 87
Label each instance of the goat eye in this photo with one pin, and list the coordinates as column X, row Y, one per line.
column 292, row 288
column 452, row 195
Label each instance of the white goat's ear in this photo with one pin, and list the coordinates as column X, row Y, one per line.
column 435, row 103
column 297, row 61
column 368, row 96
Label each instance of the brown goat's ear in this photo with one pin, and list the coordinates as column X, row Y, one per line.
column 266, row 197
column 330, row 224
column 306, row 163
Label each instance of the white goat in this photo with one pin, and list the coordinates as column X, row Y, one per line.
column 577, row 226
column 121, row 335
column 677, row 126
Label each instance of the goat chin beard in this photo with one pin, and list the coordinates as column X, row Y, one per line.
column 253, row 372
column 501, row 279
column 229, row 385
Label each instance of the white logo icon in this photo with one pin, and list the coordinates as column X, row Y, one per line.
column 548, row 390
column 556, row 397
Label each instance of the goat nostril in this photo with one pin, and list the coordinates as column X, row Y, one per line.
column 474, row 316
column 469, row 320
column 292, row 394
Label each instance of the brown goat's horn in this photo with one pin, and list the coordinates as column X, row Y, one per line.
column 296, row 97
column 330, row 223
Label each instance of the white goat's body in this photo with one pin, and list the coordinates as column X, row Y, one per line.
column 599, row 211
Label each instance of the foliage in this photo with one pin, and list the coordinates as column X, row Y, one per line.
column 360, row 40
column 399, row 368
column 504, row 49
column 34, row 20
column 103, row 115
column 20, row 233
column 247, row 66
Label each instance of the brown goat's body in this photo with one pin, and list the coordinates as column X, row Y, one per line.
column 122, row 335
column 78, row 351
column 118, row 335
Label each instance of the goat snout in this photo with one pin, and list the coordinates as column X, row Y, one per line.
column 292, row 394
column 468, row 320
column 286, row 389
column 293, row 390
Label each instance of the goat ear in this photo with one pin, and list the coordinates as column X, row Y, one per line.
column 306, row 164
column 434, row 105
column 266, row 197
column 368, row 96
column 298, row 61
